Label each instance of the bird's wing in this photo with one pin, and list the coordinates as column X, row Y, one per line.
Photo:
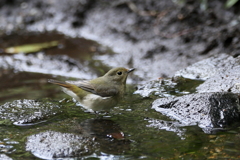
column 99, row 89
column 106, row 91
column 85, row 85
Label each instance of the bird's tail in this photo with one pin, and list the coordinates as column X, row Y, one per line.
column 60, row 83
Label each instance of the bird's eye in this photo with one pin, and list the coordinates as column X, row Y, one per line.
column 119, row 73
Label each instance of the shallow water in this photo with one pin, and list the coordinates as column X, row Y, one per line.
column 123, row 133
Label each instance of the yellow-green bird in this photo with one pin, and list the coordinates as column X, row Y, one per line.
column 102, row 93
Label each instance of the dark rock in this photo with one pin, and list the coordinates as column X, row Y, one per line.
column 154, row 51
column 207, row 110
column 29, row 20
column 80, row 13
column 209, row 47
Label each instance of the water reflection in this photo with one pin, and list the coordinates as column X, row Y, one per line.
column 92, row 137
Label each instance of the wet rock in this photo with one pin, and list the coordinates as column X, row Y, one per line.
column 225, row 81
column 172, row 126
column 212, row 107
column 5, row 157
column 7, row 146
column 207, row 110
column 26, row 111
column 207, row 68
column 149, row 88
column 220, row 72
column 168, row 87
column 51, row 144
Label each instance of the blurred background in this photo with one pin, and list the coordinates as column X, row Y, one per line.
column 156, row 37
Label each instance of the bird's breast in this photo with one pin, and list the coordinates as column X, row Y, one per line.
column 97, row 103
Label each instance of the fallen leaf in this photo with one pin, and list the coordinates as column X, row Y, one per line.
column 29, row 48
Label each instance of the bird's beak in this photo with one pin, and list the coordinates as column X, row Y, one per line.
column 130, row 70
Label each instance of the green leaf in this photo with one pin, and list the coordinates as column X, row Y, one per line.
column 230, row 3
column 204, row 5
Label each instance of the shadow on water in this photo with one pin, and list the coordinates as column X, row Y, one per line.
column 25, row 85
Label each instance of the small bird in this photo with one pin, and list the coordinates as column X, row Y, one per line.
column 102, row 93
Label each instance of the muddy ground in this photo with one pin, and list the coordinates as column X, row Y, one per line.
column 156, row 37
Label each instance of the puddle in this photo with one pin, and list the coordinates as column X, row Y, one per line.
column 123, row 133
column 80, row 53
